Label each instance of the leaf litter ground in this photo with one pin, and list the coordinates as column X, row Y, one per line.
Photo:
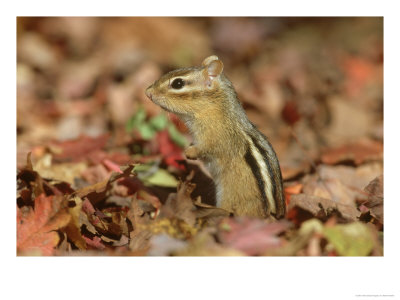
column 100, row 168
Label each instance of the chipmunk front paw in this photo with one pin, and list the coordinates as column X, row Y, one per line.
column 191, row 152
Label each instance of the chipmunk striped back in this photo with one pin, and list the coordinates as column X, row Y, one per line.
column 261, row 158
column 240, row 159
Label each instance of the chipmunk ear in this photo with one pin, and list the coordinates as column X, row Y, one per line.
column 209, row 59
column 213, row 68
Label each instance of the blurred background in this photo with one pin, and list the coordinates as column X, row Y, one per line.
column 309, row 84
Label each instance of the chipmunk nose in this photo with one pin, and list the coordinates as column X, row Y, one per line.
column 148, row 91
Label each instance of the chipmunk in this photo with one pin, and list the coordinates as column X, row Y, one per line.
column 240, row 159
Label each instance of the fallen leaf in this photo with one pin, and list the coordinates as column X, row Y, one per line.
column 359, row 72
column 206, row 211
column 375, row 198
column 358, row 152
column 152, row 174
column 136, row 120
column 341, row 184
column 36, row 228
column 78, row 149
column 170, row 151
column 180, row 205
column 160, row 178
column 251, row 236
column 354, row 239
column 322, row 207
column 159, row 122
column 97, row 192
column 73, row 228
column 112, row 166
column 307, row 231
column 140, row 240
column 292, row 190
column 95, row 174
column 204, row 244
column 95, row 243
column 342, row 125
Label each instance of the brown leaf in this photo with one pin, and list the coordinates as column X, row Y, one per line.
column 31, row 178
column 292, row 190
column 375, row 198
column 95, row 174
column 140, row 240
column 342, row 184
column 73, row 228
column 61, row 171
column 180, row 205
column 358, row 152
column 322, row 207
column 208, row 211
column 74, row 235
column 204, row 244
column 97, row 192
column 347, row 121
column 36, row 227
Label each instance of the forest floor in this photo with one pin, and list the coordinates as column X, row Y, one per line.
column 101, row 170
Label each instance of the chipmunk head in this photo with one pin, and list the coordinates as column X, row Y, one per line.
column 188, row 90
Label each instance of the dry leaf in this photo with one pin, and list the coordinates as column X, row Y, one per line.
column 180, row 205
column 375, row 198
column 359, row 152
column 322, row 207
column 251, row 236
column 36, row 228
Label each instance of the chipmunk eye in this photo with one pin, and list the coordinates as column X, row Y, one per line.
column 178, row 83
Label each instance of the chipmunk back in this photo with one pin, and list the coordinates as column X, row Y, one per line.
column 240, row 159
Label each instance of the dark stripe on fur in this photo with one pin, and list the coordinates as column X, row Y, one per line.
column 252, row 162
column 275, row 176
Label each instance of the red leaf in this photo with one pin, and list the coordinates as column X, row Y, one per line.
column 290, row 113
column 36, row 227
column 112, row 166
column 292, row 190
column 359, row 72
column 95, row 243
column 178, row 123
column 169, row 150
column 79, row 148
column 252, row 236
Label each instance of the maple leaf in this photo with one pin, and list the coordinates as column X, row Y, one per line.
column 36, row 228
